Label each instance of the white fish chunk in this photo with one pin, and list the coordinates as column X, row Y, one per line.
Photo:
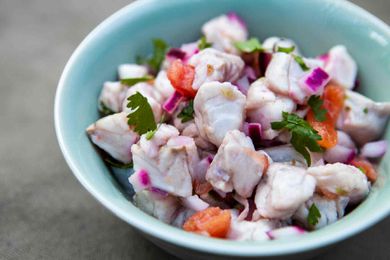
column 169, row 160
column 213, row 65
column 283, row 190
column 114, row 135
column 341, row 67
column 341, row 180
column 131, row 71
column 219, row 108
column 237, row 166
column 163, row 208
column 223, row 32
column 363, row 119
column 264, row 106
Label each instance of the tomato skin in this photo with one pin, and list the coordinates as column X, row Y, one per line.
column 325, row 129
column 181, row 77
column 333, row 99
column 367, row 167
column 213, row 222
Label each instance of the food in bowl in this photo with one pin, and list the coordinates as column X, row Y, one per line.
column 234, row 139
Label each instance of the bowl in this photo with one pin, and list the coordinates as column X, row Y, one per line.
column 315, row 25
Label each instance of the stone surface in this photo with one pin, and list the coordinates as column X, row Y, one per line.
column 44, row 212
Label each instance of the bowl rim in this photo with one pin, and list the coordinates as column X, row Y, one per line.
column 172, row 235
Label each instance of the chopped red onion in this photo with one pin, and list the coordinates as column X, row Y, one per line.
column 249, row 72
column 175, row 53
column 285, row 232
column 232, row 16
column 243, row 84
column 374, row 149
column 195, row 203
column 173, row 102
column 265, row 59
column 339, row 153
column 253, row 130
column 140, row 180
column 315, row 81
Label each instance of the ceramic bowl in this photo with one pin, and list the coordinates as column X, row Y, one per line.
column 315, row 25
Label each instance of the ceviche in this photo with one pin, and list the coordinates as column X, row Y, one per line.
column 235, row 138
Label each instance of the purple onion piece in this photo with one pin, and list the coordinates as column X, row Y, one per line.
column 232, row 16
column 140, row 180
column 374, row 149
column 173, row 102
column 176, row 53
column 315, row 81
column 254, row 132
column 339, row 153
column 243, row 85
column 249, row 72
column 265, row 59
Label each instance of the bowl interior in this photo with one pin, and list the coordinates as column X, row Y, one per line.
column 314, row 25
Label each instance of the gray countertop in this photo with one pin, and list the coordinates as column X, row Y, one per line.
column 44, row 212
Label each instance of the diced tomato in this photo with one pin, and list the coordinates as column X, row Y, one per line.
column 325, row 129
column 333, row 98
column 213, row 221
column 181, row 77
column 366, row 167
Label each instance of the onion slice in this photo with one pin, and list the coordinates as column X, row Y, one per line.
column 315, row 81
column 374, row 149
column 173, row 102
column 339, row 153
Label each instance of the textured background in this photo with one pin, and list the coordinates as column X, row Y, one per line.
column 44, row 212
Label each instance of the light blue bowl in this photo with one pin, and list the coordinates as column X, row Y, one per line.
column 315, row 25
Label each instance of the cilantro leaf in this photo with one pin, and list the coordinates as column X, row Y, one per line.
column 105, row 110
column 187, row 113
column 303, row 136
column 160, row 47
column 316, row 105
column 250, row 45
column 285, row 49
column 132, row 81
column 141, row 117
column 314, row 215
column 203, row 44
column 301, row 63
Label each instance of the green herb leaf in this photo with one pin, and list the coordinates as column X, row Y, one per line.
column 105, row 110
column 141, row 117
column 315, row 102
column 301, row 63
column 132, row 81
column 314, row 215
column 203, row 44
column 250, row 45
column 286, row 49
column 365, row 110
column 116, row 164
column 160, row 47
column 303, row 136
column 149, row 135
column 187, row 113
